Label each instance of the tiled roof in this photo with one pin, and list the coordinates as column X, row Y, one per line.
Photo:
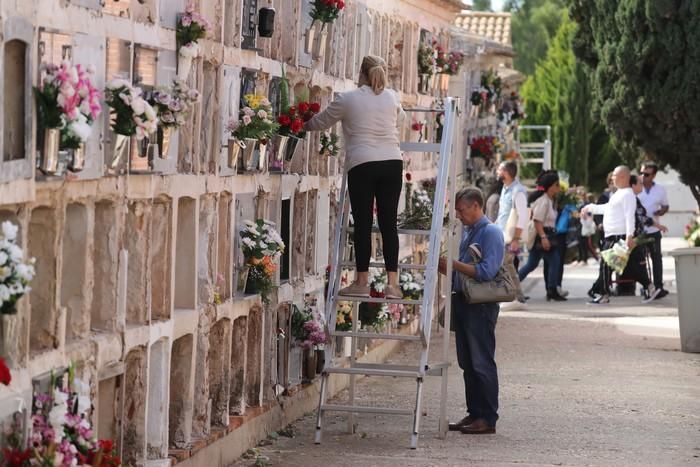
column 495, row 26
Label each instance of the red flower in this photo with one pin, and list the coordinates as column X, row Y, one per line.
column 340, row 4
column 408, row 176
column 297, row 125
column 284, row 120
column 107, row 445
column 315, row 107
column 303, row 107
column 417, row 126
column 15, row 457
column 5, row 376
column 292, row 111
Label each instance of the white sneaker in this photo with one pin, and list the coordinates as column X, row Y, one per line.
column 562, row 292
column 515, row 305
column 652, row 292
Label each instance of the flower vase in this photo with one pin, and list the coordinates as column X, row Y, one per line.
column 77, row 163
column 292, row 144
column 234, row 152
column 138, row 155
column 121, row 148
column 165, row 137
column 8, row 323
column 320, row 360
column 248, row 161
column 309, row 38
column 49, row 151
column 277, row 153
column 242, row 279
column 251, row 287
column 424, row 83
column 262, row 156
column 319, row 48
column 185, row 56
column 309, row 366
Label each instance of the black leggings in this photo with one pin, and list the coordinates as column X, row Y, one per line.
column 381, row 180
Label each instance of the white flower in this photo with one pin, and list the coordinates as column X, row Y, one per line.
column 248, row 242
column 138, row 105
column 4, row 293
column 15, row 252
column 9, row 231
column 81, row 128
column 190, row 50
column 248, row 111
column 262, row 114
column 246, row 120
column 3, row 258
column 118, row 83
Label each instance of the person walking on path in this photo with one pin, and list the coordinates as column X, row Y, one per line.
column 475, row 324
column 655, row 201
column 618, row 224
column 370, row 116
column 512, row 218
column 544, row 217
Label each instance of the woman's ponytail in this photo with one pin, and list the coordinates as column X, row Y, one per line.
column 374, row 69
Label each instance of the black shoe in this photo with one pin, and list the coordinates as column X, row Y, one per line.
column 468, row 420
column 591, row 293
column 553, row 294
column 662, row 293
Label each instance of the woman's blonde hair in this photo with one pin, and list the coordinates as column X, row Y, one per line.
column 374, row 71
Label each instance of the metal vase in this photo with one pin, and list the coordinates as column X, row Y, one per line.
column 119, row 151
column 138, row 156
column 292, row 144
column 248, row 161
column 309, row 40
column 262, row 156
column 77, row 163
column 8, row 329
column 165, row 136
column 234, row 152
column 49, row 151
column 242, row 279
column 278, row 152
column 424, row 83
column 320, row 45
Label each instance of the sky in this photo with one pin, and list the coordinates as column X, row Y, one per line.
column 496, row 5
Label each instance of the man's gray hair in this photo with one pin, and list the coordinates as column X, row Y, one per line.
column 470, row 195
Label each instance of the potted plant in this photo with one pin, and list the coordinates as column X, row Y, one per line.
column 172, row 104
column 133, row 119
column 322, row 12
column 191, row 27
column 68, row 104
column 426, row 66
column 16, row 272
column 251, row 134
column 262, row 247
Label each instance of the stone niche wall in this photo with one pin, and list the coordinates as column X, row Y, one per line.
column 161, row 252
column 157, row 419
column 180, row 410
column 186, row 254
column 207, row 245
column 219, row 361
column 136, row 241
column 239, row 341
column 310, row 236
column 43, row 245
column 298, row 227
column 254, row 357
column 75, row 280
column 105, row 267
column 201, row 419
column 110, row 398
column 224, row 256
column 134, row 429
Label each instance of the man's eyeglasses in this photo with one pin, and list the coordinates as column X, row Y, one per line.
column 647, row 174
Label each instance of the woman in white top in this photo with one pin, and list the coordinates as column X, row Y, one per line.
column 370, row 116
column 544, row 217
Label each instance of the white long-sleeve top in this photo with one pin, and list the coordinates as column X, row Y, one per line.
column 618, row 213
column 370, row 124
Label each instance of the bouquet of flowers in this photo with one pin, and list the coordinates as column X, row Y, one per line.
column 419, row 215
column 291, row 121
column 426, row 59
column 131, row 114
column 191, row 27
column 61, row 431
column 307, row 329
column 411, row 288
column 255, row 122
column 692, row 232
column 173, row 104
column 343, row 321
column 67, row 99
column 262, row 246
column 375, row 314
column 329, row 145
column 619, row 254
column 483, row 146
column 447, row 62
column 15, row 272
column 326, row 11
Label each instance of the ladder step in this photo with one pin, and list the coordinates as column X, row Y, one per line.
column 376, row 335
column 348, row 298
column 434, row 369
column 400, row 231
column 351, row 264
column 360, row 409
column 531, row 146
column 373, row 372
column 407, row 146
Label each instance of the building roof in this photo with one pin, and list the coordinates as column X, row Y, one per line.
column 494, row 26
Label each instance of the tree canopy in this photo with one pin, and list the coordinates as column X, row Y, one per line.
column 645, row 62
column 481, row 5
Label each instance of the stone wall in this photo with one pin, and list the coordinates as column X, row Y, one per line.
column 137, row 271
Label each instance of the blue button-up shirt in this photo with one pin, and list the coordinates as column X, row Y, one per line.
column 488, row 238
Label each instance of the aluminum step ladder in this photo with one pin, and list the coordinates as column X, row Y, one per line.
column 542, row 149
column 446, row 183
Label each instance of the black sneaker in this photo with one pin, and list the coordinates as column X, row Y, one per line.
column 662, row 293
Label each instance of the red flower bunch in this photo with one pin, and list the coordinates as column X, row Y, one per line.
column 104, row 456
column 292, row 121
column 16, row 457
column 326, row 11
column 447, row 62
column 5, row 375
column 417, row 126
column 482, row 147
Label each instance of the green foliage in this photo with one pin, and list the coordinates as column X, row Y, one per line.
column 645, row 61
column 482, row 5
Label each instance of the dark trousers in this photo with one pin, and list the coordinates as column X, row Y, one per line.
column 475, row 338
column 552, row 261
column 635, row 269
column 380, row 180
column 604, row 281
column 561, row 248
column 657, row 265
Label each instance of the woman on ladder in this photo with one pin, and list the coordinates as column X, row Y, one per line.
column 370, row 116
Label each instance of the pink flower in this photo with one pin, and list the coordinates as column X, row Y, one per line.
column 186, row 20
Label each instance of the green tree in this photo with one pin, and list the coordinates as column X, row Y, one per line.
column 645, row 62
column 482, row 5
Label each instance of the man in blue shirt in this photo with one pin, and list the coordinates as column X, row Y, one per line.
column 481, row 254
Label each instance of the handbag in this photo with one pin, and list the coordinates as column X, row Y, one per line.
column 511, row 225
column 499, row 289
